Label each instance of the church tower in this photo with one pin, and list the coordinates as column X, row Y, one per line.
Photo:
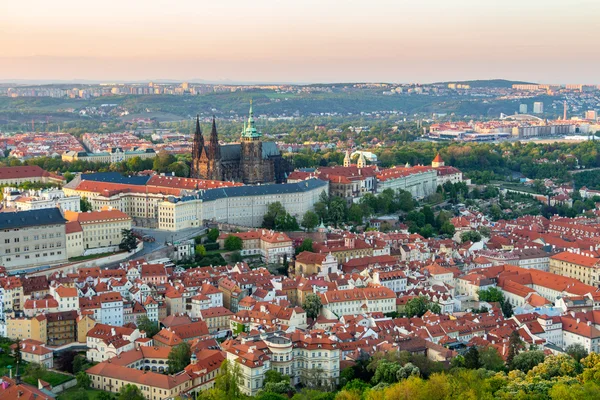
column 361, row 161
column 254, row 169
column 199, row 158
column 347, row 160
column 213, row 152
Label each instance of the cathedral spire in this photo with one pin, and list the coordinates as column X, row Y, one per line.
column 198, row 144
column 214, row 150
column 250, row 131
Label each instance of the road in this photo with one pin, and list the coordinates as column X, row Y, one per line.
column 163, row 237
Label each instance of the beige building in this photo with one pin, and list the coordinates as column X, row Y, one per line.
column 35, row 328
column 295, row 355
column 101, row 229
column 115, row 155
column 270, row 245
column 34, row 351
column 572, row 265
column 32, row 238
column 337, row 303
column 240, row 205
column 27, row 173
column 74, row 235
column 216, row 318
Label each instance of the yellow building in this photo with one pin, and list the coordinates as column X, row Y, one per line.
column 101, row 229
column 216, row 318
column 35, row 328
column 84, row 324
column 572, row 265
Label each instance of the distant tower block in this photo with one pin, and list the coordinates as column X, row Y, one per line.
column 523, row 109
column 437, row 162
column 564, row 110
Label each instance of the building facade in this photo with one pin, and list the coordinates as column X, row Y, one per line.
column 32, row 238
column 251, row 162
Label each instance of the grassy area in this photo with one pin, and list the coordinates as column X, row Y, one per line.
column 215, row 252
column 90, row 257
column 70, row 393
column 53, row 378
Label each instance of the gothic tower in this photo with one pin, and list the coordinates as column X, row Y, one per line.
column 199, row 158
column 253, row 170
column 213, row 152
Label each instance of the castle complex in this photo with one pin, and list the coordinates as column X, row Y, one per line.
column 251, row 161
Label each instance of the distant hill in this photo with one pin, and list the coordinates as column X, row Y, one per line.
column 488, row 83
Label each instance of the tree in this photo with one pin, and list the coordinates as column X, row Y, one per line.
column 472, row 358
column 491, row 295
column 429, row 216
column 416, row 307
column 274, row 376
column 307, row 245
column 312, row 305
column 213, row 234
column 526, row 360
column 128, row 242
column 130, row 392
column 310, row 220
column 79, row 363
column 179, row 168
column 83, row 380
column 145, row 324
column 490, row 359
column 162, row 161
column 200, row 250
column 104, row 396
column 228, row 380
column 405, row 201
column 447, row 229
column 274, row 211
column 236, row 257
column 313, row 378
column 35, row 371
column 577, row 351
column 507, row 309
column 233, row 243
column 85, row 205
column 472, row 236
column 179, row 357
column 514, row 345
column 80, row 394
column 355, row 214
column 66, row 360
column 337, row 211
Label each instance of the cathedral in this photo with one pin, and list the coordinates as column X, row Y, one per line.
column 251, row 161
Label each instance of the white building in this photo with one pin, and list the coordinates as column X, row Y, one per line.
column 40, row 199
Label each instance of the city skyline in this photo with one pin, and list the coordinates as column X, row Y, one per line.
column 312, row 41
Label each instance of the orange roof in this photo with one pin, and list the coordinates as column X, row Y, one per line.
column 96, row 216
column 578, row 259
column 73, row 227
column 438, row 158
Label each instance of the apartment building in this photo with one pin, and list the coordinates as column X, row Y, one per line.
column 101, row 229
column 35, row 328
column 337, row 303
column 106, row 341
column 32, row 238
column 573, row 265
column 292, row 354
column 272, row 246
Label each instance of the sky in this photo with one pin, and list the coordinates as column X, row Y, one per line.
column 303, row 41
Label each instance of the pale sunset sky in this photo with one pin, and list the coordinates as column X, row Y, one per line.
column 553, row 41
